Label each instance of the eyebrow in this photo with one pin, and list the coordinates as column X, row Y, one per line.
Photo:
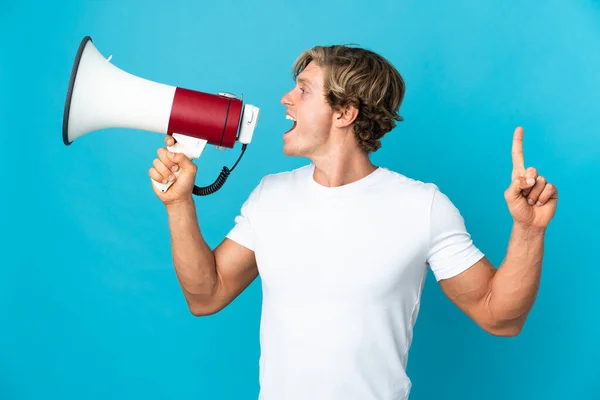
column 305, row 81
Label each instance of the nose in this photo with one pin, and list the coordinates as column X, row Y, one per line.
column 286, row 100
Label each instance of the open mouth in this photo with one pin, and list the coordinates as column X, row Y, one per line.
column 287, row 116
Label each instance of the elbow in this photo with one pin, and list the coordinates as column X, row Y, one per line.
column 202, row 306
column 202, row 310
column 505, row 332
column 505, row 328
column 197, row 312
column 202, row 303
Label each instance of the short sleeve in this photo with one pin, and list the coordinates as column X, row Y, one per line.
column 243, row 231
column 451, row 249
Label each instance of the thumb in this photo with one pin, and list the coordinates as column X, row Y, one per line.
column 518, row 184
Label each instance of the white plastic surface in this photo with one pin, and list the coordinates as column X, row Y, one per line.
column 249, row 120
column 190, row 146
column 105, row 96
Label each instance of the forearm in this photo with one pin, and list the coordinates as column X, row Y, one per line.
column 193, row 259
column 515, row 284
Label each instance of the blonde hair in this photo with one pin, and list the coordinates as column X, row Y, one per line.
column 363, row 79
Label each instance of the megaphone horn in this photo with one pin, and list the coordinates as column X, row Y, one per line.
column 102, row 96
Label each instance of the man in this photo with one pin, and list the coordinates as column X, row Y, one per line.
column 343, row 246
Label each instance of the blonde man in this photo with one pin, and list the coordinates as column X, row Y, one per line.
column 343, row 246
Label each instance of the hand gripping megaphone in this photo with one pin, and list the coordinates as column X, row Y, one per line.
column 102, row 96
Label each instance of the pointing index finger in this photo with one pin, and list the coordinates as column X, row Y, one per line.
column 517, row 153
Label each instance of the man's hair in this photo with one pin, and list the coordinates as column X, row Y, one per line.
column 361, row 78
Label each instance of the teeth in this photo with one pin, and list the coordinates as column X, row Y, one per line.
column 289, row 117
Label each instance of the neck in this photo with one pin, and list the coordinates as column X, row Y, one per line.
column 338, row 168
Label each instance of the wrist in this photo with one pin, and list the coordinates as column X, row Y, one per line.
column 179, row 205
column 528, row 230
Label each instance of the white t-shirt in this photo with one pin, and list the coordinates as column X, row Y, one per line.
column 342, row 271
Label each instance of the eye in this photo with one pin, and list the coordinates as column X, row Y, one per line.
column 302, row 90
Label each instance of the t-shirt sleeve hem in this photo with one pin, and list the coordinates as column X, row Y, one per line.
column 240, row 239
column 460, row 266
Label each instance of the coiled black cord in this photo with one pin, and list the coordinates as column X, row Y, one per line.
column 221, row 179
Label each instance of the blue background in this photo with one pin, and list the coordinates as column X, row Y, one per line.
column 90, row 305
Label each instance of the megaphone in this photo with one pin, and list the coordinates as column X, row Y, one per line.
column 101, row 96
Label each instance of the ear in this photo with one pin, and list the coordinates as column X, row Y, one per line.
column 345, row 116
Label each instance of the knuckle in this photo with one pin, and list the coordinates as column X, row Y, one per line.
column 523, row 183
column 154, row 175
column 160, row 167
column 163, row 155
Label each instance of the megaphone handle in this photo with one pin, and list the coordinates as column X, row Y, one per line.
column 190, row 146
column 163, row 187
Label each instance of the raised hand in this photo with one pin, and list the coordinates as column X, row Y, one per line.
column 530, row 198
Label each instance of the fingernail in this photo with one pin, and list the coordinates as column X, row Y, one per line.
column 530, row 201
column 171, row 177
column 164, row 181
column 174, row 167
column 530, row 181
column 539, row 203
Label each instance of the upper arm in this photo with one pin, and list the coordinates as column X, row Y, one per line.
column 470, row 291
column 463, row 272
column 236, row 270
column 235, row 260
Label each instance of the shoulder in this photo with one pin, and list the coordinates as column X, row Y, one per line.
column 285, row 179
column 425, row 197
column 280, row 182
column 395, row 184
